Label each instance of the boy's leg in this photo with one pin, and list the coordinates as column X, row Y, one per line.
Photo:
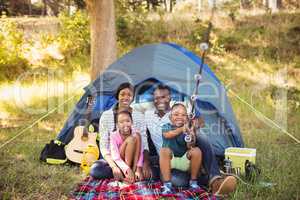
column 127, row 150
column 165, row 156
column 195, row 156
column 209, row 158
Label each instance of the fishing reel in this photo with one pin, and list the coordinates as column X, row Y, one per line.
column 188, row 138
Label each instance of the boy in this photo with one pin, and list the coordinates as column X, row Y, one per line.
column 176, row 153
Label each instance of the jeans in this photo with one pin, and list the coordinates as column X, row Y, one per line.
column 101, row 170
column 209, row 159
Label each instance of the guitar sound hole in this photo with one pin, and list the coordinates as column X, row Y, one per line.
column 84, row 138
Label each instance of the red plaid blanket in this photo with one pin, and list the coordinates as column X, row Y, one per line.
column 95, row 189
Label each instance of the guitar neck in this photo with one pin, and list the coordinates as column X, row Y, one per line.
column 88, row 113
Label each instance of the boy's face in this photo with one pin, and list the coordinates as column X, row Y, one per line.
column 124, row 124
column 179, row 116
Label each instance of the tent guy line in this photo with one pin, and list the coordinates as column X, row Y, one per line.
column 264, row 116
column 35, row 122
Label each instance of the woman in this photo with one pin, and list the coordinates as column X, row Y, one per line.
column 107, row 168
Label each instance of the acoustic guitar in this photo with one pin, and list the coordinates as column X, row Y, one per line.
column 82, row 137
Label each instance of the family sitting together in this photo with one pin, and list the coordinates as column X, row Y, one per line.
column 127, row 134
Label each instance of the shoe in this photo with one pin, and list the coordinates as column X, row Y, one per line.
column 224, row 186
column 166, row 189
column 194, row 185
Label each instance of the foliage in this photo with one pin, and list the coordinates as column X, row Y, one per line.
column 74, row 36
column 19, row 54
column 270, row 37
column 12, row 61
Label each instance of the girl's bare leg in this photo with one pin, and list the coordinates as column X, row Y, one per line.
column 137, row 152
column 127, row 150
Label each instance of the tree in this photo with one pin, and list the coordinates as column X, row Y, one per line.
column 103, row 35
column 54, row 5
column 169, row 5
column 3, row 6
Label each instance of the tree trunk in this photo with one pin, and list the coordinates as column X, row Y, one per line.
column 44, row 8
column 199, row 6
column 29, row 8
column 168, row 5
column 69, row 7
column 171, row 6
column 273, row 5
column 103, row 35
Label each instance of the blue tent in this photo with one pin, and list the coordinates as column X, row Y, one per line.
column 172, row 65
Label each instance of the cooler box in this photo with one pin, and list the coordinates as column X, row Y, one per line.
column 238, row 156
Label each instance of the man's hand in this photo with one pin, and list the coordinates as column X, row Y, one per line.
column 118, row 175
column 198, row 122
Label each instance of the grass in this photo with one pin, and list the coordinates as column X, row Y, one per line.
column 276, row 154
column 23, row 176
column 252, row 56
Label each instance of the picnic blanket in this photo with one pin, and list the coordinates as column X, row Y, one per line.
column 96, row 189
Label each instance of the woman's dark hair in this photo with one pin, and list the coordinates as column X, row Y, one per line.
column 124, row 111
column 122, row 87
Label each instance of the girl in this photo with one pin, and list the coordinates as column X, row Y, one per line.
column 126, row 148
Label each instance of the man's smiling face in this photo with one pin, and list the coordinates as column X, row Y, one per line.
column 162, row 99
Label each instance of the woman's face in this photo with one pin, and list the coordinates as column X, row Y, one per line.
column 124, row 124
column 125, row 97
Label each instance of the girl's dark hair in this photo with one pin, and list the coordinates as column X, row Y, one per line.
column 123, row 86
column 124, row 111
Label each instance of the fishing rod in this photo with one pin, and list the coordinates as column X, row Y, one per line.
column 204, row 46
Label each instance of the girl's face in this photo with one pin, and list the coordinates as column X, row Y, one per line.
column 125, row 97
column 124, row 124
column 178, row 116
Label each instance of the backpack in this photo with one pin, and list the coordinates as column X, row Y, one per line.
column 54, row 153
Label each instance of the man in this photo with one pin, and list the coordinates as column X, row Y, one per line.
column 155, row 118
